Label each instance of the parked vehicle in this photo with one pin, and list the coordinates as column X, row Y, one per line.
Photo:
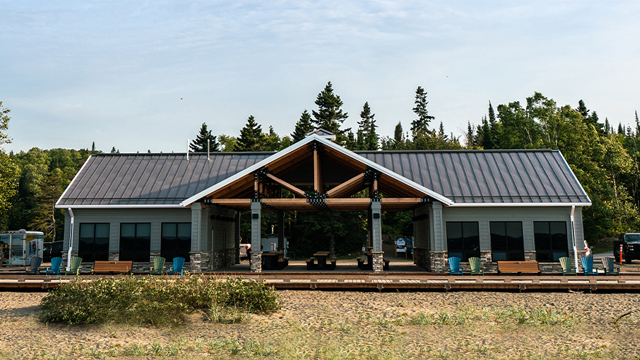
column 19, row 246
column 630, row 247
column 245, row 251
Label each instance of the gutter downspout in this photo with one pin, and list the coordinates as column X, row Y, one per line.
column 70, row 240
column 573, row 237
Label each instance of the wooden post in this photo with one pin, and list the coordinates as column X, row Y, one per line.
column 281, row 232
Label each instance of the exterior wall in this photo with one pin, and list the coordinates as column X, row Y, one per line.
column 527, row 215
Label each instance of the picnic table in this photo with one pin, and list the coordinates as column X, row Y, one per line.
column 321, row 258
column 271, row 261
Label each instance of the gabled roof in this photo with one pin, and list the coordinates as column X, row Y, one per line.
column 329, row 144
column 455, row 178
column 150, row 180
column 481, row 177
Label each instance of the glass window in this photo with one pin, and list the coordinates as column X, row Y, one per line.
column 551, row 240
column 93, row 244
column 463, row 240
column 506, row 241
column 135, row 242
column 176, row 240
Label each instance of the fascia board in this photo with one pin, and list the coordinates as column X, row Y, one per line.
column 74, row 179
column 174, row 206
column 249, row 170
column 384, row 170
column 518, row 204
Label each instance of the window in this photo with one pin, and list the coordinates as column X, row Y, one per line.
column 176, row 240
column 551, row 240
column 135, row 242
column 463, row 240
column 93, row 242
column 507, row 241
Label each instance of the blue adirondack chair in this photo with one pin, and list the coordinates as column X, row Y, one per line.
column 54, row 269
column 587, row 266
column 454, row 266
column 178, row 266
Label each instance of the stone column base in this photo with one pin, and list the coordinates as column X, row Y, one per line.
column 378, row 261
column 486, row 259
column 529, row 255
column 114, row 255
column 230, row 257
column 218, row 259
column 154, row 254
column 256, row 261
column 200, row 261
column 437, row 261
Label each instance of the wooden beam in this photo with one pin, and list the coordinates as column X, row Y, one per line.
column 238, row 204
column 289, row 204
column 316, row 171
column 229, row 190
column 399, row 203
column 348, row 204
column 287, row 186
column 348, row 187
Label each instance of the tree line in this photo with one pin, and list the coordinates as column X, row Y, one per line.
column 605, row 159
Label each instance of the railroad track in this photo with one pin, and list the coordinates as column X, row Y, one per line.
column 370, row 281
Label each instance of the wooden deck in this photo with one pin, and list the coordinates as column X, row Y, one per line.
column 387, row 281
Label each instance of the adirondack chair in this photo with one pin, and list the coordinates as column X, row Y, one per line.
column 476, row 266
column 158, row 266
column 74, row 266
column 587, row 266
column 566, row 266
column 54, row 269
column 35, row 265
column 178, row 265
column 609, row 268
column 454, row 266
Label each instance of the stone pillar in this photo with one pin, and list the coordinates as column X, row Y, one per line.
column 378, row 261
column 529, row 255
column 256, row 242
column 437, row 261
column 115, row 255
column 485, row 258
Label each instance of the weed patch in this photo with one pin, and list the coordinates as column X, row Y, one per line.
column 154, row 301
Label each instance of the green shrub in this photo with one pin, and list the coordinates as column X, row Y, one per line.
column 154, row 301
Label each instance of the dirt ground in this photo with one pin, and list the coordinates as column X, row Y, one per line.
column 339, row 325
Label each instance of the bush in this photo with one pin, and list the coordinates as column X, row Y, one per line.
column 154, row 301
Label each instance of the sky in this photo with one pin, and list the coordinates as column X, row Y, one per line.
column 145, row 75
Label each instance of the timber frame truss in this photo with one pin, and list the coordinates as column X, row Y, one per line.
column 267, row 185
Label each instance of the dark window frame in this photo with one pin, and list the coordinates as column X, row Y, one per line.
column 470, row 242
column 140, row 245
column 513, row 245
column 550, row 246
column 170, row 246
column 94, row 254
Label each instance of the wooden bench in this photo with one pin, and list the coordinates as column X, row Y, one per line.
column 112, row 266
column 518, row 267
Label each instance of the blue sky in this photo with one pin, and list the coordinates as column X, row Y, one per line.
column 145, row 75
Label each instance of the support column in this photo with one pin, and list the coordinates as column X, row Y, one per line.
column 437, row 255
column 195, row 255
column 376, row 235
column 256, row 242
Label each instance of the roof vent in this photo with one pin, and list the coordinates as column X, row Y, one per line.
column 323, row 134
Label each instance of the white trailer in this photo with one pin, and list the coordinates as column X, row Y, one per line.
column 19, row 246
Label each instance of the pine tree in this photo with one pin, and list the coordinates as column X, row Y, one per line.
column 620, row 129
column 420, row 126
column 469, row 138
column 113, row 150
column 303, row 127
column 251, row 137
column 367, row 129
column 398, row 134
column 93, row 147
column 200, row 143
column 329, row 115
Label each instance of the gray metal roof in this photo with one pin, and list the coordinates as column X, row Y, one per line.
column 151, row 179
column 466, row 177
column 486, row 176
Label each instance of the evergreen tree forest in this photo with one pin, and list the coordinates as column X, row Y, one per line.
column 604, row 157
